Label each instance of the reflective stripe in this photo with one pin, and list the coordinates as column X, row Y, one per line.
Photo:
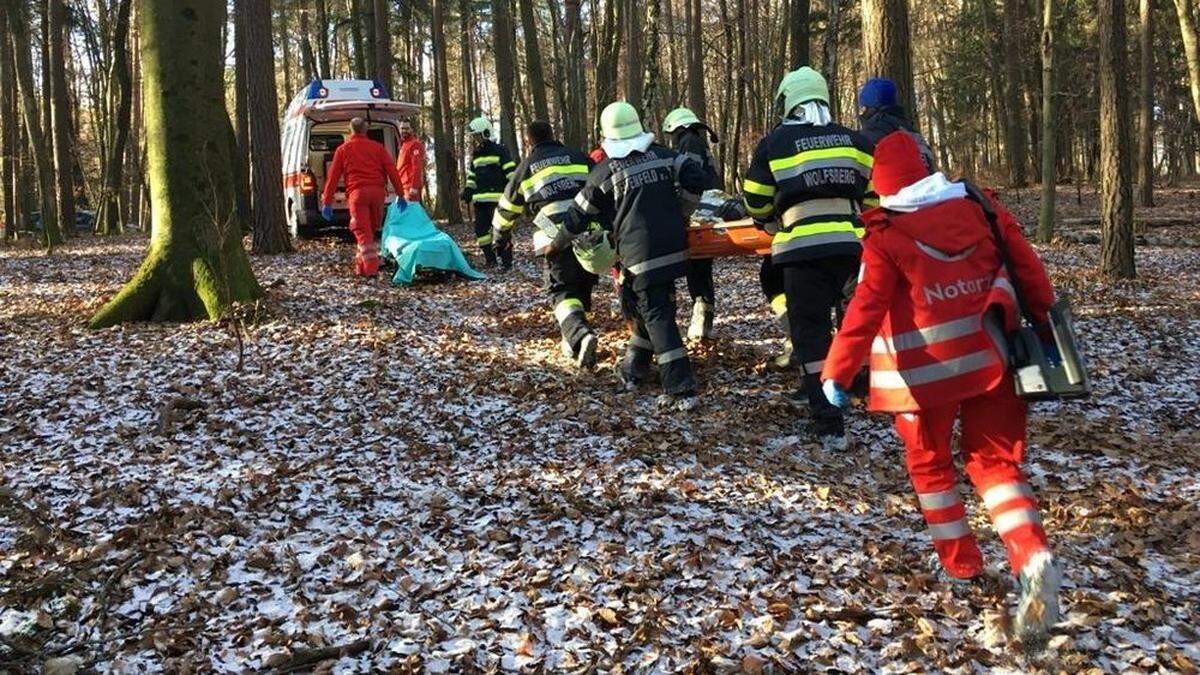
column 470, row 183
column 824, row 158
column 485, row 160
column 779, row 304
column 815, row 208
column 510, row 165
column 814, row 367
column 541, row 241
column 584, row 204
column 660, row 261
column 498, row 220
column 484, row 240
column 641, row 343
column 760, row 211
column 943, row 256
column 509, row 206
column 923, row 337
column 953, row 530
column 486, row 197
column 1004, row 285
column 793, row 243
column 756, row 188
column 814, row 229
column 673, row 355
column 934, row 372
column 622, row 176
column 1010, row 520
column 998, row 494
column 542, row 220
column 939, row 500
column 540, row 179
column 566, row 308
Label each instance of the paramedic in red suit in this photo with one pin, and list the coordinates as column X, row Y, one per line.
column 367, row 167
column 410, row 162
column 932, row 304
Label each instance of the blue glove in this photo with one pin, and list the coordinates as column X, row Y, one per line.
column 401, row 203
column 835, row 394
column 327, row 213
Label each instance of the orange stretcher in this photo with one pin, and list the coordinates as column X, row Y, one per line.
column 723, row 240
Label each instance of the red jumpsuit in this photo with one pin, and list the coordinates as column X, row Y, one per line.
column 931, row 297
column 410, row 163
column 367, row 167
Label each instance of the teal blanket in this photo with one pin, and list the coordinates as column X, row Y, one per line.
column 413, row 241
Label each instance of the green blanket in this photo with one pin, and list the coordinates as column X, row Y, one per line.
column 413, row 241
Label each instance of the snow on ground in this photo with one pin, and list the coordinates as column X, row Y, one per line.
column 417, row 476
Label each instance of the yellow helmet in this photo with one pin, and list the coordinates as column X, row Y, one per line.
column 679, row 117
column 480, row 125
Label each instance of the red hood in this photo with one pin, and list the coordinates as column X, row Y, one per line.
column 951, row 226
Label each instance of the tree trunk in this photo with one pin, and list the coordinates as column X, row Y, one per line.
column 575, row 116
column 695, row 56
column 64, row 187
column 8, row 140
column 829, row 59
column 1191, row 49
column 798, row 31
column 535, row 78
column 1014, row 123
column 886, row 41
column 322, row 19
column 470, row 95
column 241, row 114
column 359, row 42
column 505, row 72
column 383, row 44
column 1145, row 162
column 19, row 42
column 447, row 172
column 285, row 49
column 270, row 234
column 306, row 51
column 633, row 53
column 195, row 267
column 1049, row 127
column 1116, row 203
column 108, row 213
column 650, row 111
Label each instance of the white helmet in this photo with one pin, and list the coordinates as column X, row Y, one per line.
column 481, row 125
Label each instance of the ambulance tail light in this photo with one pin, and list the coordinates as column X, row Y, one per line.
column 308, row 184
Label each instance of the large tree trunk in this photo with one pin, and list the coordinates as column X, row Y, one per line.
column 322, row 19
column 470, row 95
column 633, row 53
column 575, row 116
column 383, row 44
column 1116, row 203
column 695, row 59
column 108, row 214
column 1145, row 161
column 447, row 172
column 307, row 63
column 8, row 140
column 1191, row 49
column 195, row 267
column 533, row 61
column 798, row 32
column 241, row 112
column 505, row 72
column 270, row 234
column 1014, row 123
column 358, row 41
column 650, row 107
column 285, row 50
column 886, row 51
column 829, row 61
column 1049, row 127
column 18, row 33
column 64, row 187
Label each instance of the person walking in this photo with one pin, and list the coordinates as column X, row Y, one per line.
column 488, row 171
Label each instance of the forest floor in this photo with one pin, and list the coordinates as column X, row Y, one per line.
column 417, row 479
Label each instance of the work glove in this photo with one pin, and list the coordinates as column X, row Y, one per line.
column 327, row 213
column 562, row 241
column 835, row 394
column 401, row 203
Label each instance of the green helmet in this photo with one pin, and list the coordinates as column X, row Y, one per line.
column 801, row 86
column 480, row 125
column 598, row 257
column 679, row 117
column 620, row 121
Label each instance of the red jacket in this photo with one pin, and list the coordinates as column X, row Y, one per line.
column 365, row 164
column 928, row 278
column 411, row 165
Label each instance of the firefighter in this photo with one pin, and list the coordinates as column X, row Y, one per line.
column 410, row 162
column 879, row 114
column 690, row 137
column 646, row 192
column 930, row 311
column 488, row 172
column 543, row 187
column 806, row 181
column 367, row 167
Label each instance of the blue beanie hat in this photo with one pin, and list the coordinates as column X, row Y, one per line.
column 878, row 92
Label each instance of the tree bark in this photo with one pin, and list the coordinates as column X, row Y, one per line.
column 270, row 233
column 383, row 44
column 470, row 96
column 39, row 152
column 1014, row 123
column 241, row 114
column 886, row 51
column 195, row 267
column 535, row 77
column 306, row 51
column 358, row 41
column 1145, row 162
column 575, row 116
column 1191, row 49
column 64, row 186
column 108, row 212
column 322, row 19
column 829, row 61
column 447, row 171
column 285, row 50
column 633, row 53
column 505, row 72
column 695, row 56
column 798, row 31
column 1116, row 203
column 8, row 140
column 1049, row 127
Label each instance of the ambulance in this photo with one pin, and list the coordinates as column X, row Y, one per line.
column 315, row 123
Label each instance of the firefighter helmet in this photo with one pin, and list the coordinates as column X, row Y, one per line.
column 480, row 125
column 679, row 117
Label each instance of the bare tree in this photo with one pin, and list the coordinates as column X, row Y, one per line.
column 1191, row 49
column 307, row 62
column 1049, row 127
column 383, row 44
column 1145, row 158
column 505, row 72
column 1116, row 202
column 533, row 61
column 695, row 58
column 798, row 34
column 60, row 104
column 886, row 45
column 266, row 165
column 447, row 173
column 108, row 215
column 1014, row 123
column 8, row 140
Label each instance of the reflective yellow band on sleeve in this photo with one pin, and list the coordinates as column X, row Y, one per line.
column 779, row 304
column 760, row 211
column 759, row 189
column 485, row 160
column 486, row 197
column 813, row 229
column 509, row 206
column 484, row 240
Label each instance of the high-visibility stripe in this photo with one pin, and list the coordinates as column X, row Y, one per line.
column 761, row 210
column 566, row 308
column 486, row 197
column 509, row 206
column 539, row 180
column 660, row 261
column 823, row 158
column 827, row 208
column 942, row 256
column 509, row 165
column 938, row 500
column 584, row 204
column 812, row 229
column 673, row 355
column 779, row 304
column 470, row 183
column 1010, row 520
column 812, row 240
column 934, row 372
column 1005, row 285
column 641, row 343
column 484, row 240
column 1004, row 492
column 541, row 241
column 923, row 337
column 498, row 220
column 756, row 188
column 485, row 160
column 952, row 530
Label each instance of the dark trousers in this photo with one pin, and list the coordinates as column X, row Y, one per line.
column 483, row 212
column 814, row 288
column 770, row 278
column 700, row 281
column 654, row 334
column 570, row 289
